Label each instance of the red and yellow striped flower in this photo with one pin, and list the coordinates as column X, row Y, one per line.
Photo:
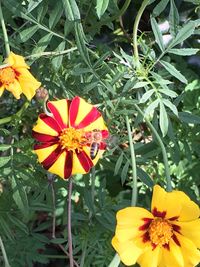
column 168, row 236
column 16, row 78
column 65, row 137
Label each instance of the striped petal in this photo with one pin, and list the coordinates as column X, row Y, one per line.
column 44, row 137
column 84, row 115
column 60, row 111
column 47, row 125
column 81, row 163
column 52, row 158
column 44, row 150
column 2, row 88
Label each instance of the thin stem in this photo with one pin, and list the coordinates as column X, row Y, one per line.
column 164, row 153
column 135, row 30
column 52, row 53
column 115, row 261
column 5, row 35
column 54, row 210
column 5, row 258
column 67, row 254
column 18, row 114
column 133, row 163
column 71, row 260
column 92, row 189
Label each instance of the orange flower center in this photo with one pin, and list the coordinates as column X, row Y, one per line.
column 72, row 139
column 160, row 231
column 7, row 75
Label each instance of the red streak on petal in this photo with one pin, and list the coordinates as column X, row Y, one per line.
column 145, row 226
column 17, row 73
column 85, row 161
column 102, row 146
column 176, row 228
column 50, row 122
column 43, row 145
column 73, row 110
column 174, row 237
column 57, row 115
column 105, row 134
column 166, row 246
column 173, row 218
column 44, row 137
column 145, row 237
column 92, row 116
column 157, row 213
column 50, row 160
column 68, row 165
column 153, row 246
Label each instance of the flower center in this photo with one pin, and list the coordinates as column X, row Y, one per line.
column 72, row 139
column 160, row 231
column 7, row 75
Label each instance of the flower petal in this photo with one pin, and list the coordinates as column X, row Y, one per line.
column 46, row 125
column 14, row 88
column 52, row 158
column 190, row 252
column 81, row 163
column 60, row 110
column 68, row 165
column 2, row 88
column 173, row 256
column 130, row 221
column 44, row 137
column 191, row 230
column 44, row 151
column 173, row 204
column 28, row 83
column 16, row 61
column 127, row 251
column 150, row 258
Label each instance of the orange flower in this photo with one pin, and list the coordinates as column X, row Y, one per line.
column 68, row 135
column 168, row 236
column 16, row 78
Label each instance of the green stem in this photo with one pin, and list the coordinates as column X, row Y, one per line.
column 135, row 30
column 5, row 258
column 164, row 153
column 115, row 261
column 93, row 177
column 18, row 114
column 133, row 163
column 5, row 35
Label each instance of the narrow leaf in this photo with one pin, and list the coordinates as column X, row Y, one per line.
column 157, row 33
column 183, row 51
column 71, row 10
column 189, row 118
column 173, row 71
column 101, row 7
column 4, row 147
column 4, row 161
column 124, row 172
column 146, row 96
column 171, row 106
column 28, row 33
column 118, row 164
column 163, row 121
column 173, row 18
column 168, row 92
column 151, row 107
column 160, row 7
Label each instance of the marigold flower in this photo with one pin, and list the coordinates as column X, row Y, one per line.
column 168, row 236
column 66, row 137
column 16, row 78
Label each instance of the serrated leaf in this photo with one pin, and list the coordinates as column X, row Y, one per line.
column 163, row 120
column 71, row 10
column 157, row 33
column 118, row 164
column 183, row 51
column 146, row 96
column 4, row 161
column 173, row 18
column 173, row 71
column 185, row 32
column 101, row 6
column 26, row 34
column 160, row 7
column 171, row 106
column 151, row 107
column 4, row 147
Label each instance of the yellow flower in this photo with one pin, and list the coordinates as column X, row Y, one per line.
column 16, row 78
column 168, row 236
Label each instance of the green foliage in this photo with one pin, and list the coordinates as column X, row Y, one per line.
column 85, row 48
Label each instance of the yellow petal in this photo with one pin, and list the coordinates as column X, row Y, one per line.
column 87, row 151
column 42, row 127
column 16, row 61
column 76, row 166
column 191, row 230
column 83, row 109
column 2, row 88
column 43, row 153
column 127, row 251
column 190, row 252
column 150, row 258
column 15, row 89
column 59, row 165
column 129, row 220
column 28, row 83
column 175, row 203
column 97, row 124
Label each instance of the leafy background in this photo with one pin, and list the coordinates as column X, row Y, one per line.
column 85, row 48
